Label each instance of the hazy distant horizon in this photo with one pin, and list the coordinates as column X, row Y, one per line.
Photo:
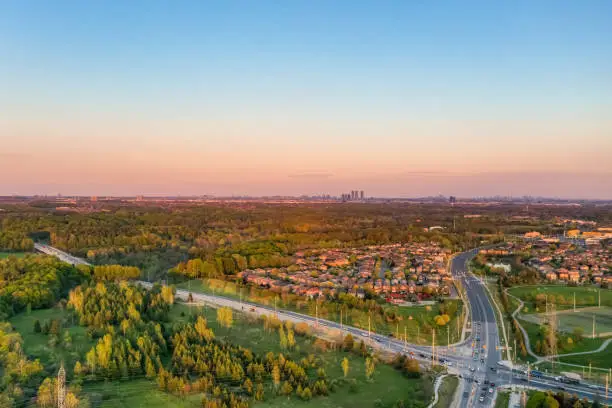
column 588, row 186
column 233, row 98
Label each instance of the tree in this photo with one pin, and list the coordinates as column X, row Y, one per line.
column 259, row 392
column 290, row 338
column 345, row 366
column 348, row 342
column 536, row 400
column 276, row 376
column 78, row 369
column 411, row 366
column 370, row 366
column 286, row 389
column 46, row 394
column 149, row 368
column 37, row 328
column 550, row 402
column 225, row 317
column 282, row 338
column 67, row 340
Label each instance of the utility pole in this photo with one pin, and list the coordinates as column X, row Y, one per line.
column 574, row 302
column 61, row 387
column 433, row 347
column 397, row 331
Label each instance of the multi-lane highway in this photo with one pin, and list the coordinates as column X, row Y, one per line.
column 475, row 360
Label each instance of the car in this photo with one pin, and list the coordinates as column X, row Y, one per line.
column 476, row 381
column 492, row 384
column 593, row 387
column 491, row 390
column 472, row 369
column 466, row 394
column 482, row 361
column 421, row 355
column 486, row 381
column 481, row 399
column 493, row 369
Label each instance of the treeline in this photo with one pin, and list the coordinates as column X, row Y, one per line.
column 35, row 281
column 115, row 272
column 231, row 238
column 15, row 242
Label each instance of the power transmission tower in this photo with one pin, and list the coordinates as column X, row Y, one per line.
column 61, row 387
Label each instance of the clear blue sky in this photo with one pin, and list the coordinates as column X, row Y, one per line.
column 386, row 83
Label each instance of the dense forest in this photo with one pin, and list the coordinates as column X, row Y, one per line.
column 230, row 238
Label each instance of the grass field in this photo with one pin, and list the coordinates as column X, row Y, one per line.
column 503, row 399
column 135, row 393
column 586, row 344
column 447, row 391
column 37, row 344
column 561, row 296
column 410, row 315
column 583, row 318
column 17, row 254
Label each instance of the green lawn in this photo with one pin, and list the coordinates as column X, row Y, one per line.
column 17, row 254
column 36, row 345
column 503, row 399
column 586, row 344
column 135, row 393
column 410, row 315
column 447, row 391
column 583, row 318
column 603, row 359
column 562, row 296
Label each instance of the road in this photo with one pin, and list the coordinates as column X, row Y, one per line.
column 475, row 360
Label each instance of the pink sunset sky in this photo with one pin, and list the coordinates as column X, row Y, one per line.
column 385, row 158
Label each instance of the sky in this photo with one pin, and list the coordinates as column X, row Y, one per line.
column 397, row 98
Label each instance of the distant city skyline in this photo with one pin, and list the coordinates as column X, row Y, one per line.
column 400, row 99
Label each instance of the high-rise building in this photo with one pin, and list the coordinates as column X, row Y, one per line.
column 362, row 195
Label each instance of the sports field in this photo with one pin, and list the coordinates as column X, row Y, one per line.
column 583, row 318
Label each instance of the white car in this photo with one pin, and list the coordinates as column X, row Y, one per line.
column 490, row 390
